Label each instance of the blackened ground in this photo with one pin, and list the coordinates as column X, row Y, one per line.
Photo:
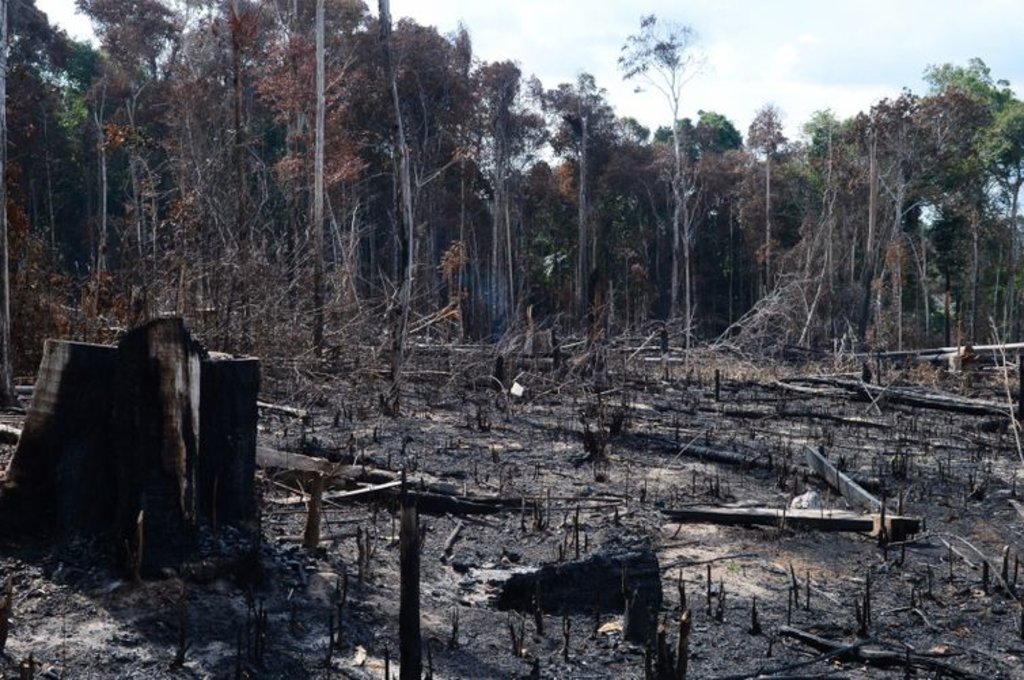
column 78, row 618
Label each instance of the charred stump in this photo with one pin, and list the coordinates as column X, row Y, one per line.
column 61, row 477
column 227, row 438
column 153, row 428
column 156, row 418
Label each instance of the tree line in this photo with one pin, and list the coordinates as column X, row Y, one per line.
column 280, row 180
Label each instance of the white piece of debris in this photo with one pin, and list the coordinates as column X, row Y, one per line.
column 809, row 500
column 517, row 390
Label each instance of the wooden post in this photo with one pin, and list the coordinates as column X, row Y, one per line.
column 311, row 536
column 410, row 648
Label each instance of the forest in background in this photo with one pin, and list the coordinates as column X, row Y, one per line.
column 172, row 169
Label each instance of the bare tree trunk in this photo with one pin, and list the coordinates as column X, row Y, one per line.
column 974, row 274
column 767, row 223
column 408, row 235
column 1011, row 282
column 870, row 259
column 101, row 149
column 317, row 227
column 583, row 238
column 7, row 396
column 687, row 278
column 677, row 207
column 237, row 278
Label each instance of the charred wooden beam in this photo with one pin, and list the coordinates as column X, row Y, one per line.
column 849, row 489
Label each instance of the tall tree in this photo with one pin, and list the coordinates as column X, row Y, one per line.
column 766, row 137
column 586, row 124
column 1004, row 151
column 663, row 55
column 407, row 232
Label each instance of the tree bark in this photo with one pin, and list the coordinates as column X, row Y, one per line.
column 768, row 223
column 7, row 395
column 317, row 227
column 583, row 237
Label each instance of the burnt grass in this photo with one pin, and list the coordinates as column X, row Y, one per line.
column 613, row 449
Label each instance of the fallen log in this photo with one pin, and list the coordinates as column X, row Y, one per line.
column 599, row 583
column 290, row 411
column 707, row 454
column 897, row 527
column 849, row 489
column 909, row 397
column 879, row 658
column 432, row 498
column 277, row 459
column 937, row 351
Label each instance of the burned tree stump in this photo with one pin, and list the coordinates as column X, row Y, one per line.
column 599, row 583
column 61, row 476
column 152, row 428
column 156, row 418
column 227, row 438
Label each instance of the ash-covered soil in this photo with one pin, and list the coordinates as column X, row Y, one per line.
column 613, row 450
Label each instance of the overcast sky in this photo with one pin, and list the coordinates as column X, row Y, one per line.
column 801, row 55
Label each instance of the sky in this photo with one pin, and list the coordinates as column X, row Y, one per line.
column 800, row 55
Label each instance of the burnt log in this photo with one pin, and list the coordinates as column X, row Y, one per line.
column 603, row 582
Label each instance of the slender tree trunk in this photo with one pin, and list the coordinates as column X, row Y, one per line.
column 408, row 235
column 7, row 396
column 238, row 285
column 677, row 207
column 1011, row 282
column 101, row 150
column 870, row 259
column 317, row 227
column 583, row 237
column 687, row 278
column 975, row 237
column 508, row 253
column 767, row 223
